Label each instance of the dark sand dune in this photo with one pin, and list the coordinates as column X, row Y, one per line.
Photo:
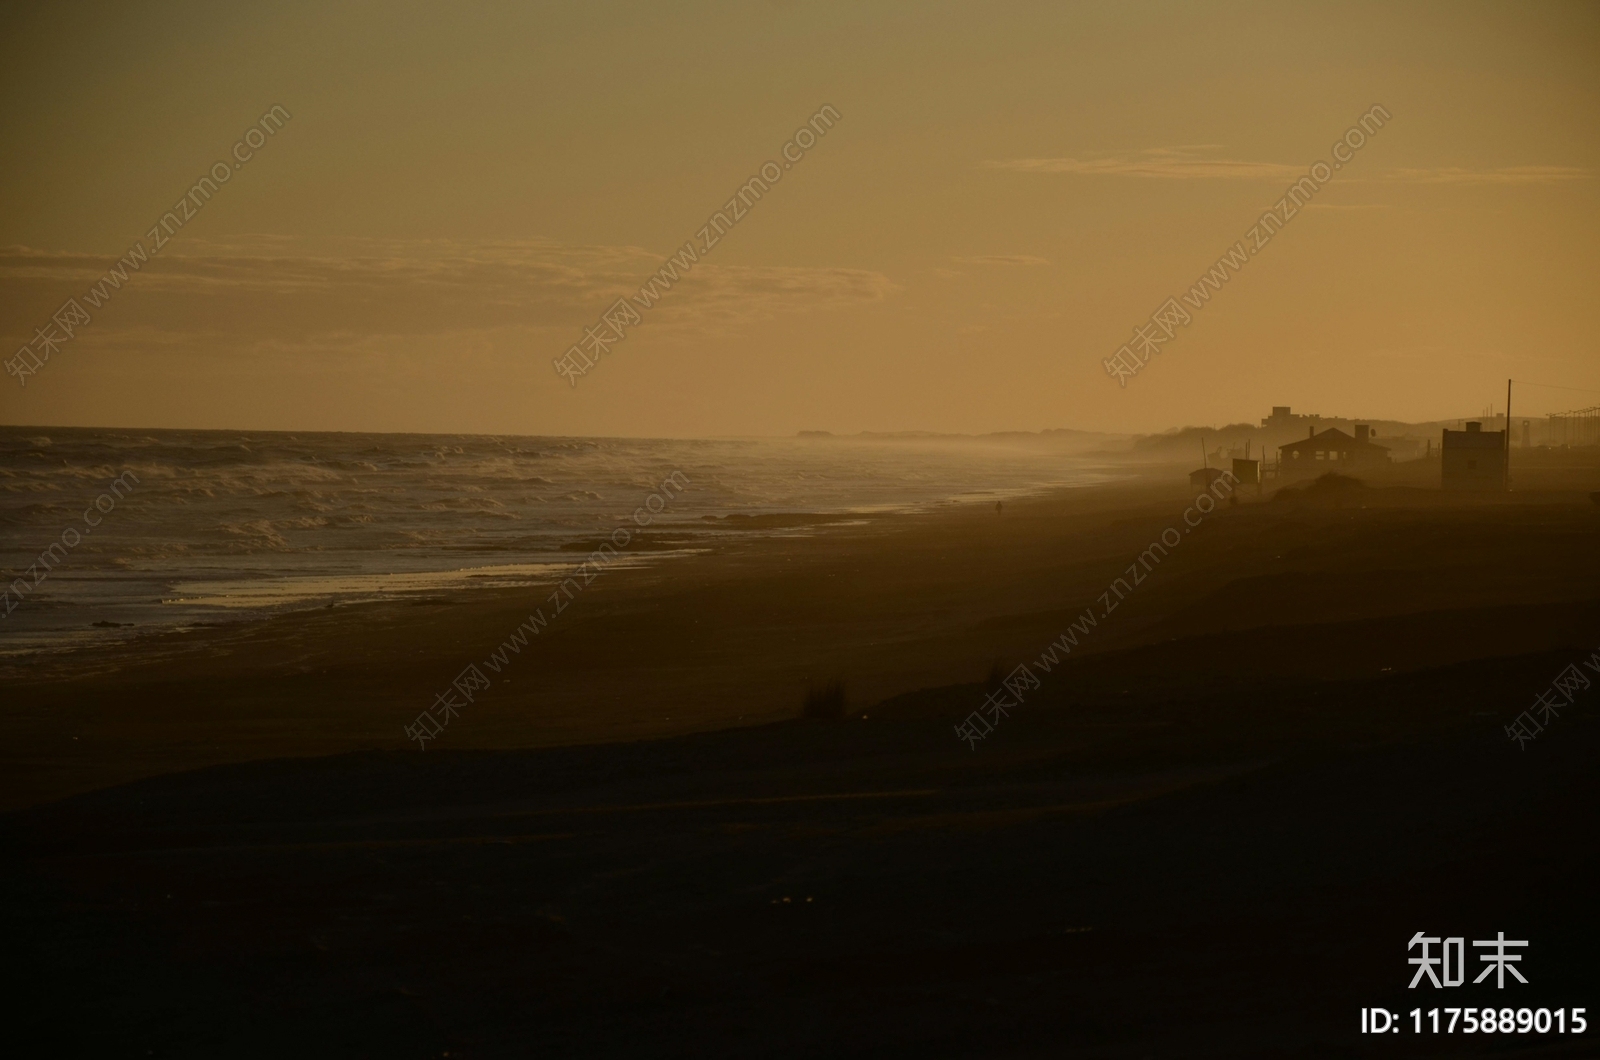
column 1246, row 868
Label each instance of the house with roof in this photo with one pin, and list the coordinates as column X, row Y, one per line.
column 1333, row 450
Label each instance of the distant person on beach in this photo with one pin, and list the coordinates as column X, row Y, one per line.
column 997, row 506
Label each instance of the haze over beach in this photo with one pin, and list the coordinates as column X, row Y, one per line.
column 800, row 530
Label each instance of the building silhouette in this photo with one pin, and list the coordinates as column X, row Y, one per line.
column 1283, row 417
column 1332, row 450
column 1473, row 459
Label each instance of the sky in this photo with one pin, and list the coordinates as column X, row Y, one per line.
column 454, row 195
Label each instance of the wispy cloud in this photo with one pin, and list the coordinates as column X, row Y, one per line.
column 1505, row 175
column 1197, row 162
column 1190, row 162
column 282, row 290
column 1002, row 259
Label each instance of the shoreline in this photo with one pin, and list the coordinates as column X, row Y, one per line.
column 734, row 635
column 222, row 532
column 263, row 666
column 682, row 539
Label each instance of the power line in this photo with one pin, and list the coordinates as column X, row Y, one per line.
column 1552, row 386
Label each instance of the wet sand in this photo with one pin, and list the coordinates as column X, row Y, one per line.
column 1208, row 832
column 736, row 635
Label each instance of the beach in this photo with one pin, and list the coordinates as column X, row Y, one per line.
column 1284, row 738
column 735, row 634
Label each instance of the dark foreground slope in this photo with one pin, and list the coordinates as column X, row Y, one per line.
column 1231, row 873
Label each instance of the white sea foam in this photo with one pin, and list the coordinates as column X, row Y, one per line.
column 234, row 524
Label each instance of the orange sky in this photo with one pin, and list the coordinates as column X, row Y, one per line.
column 1009, row 191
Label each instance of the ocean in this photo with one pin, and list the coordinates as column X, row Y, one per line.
column 165, row 529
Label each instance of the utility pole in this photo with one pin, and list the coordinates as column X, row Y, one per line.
column 1508, row 435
